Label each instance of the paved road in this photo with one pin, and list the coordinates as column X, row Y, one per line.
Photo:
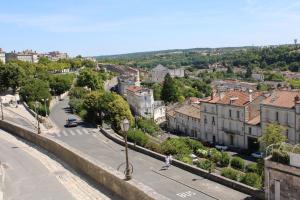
column 29, row 173
column 173, row 183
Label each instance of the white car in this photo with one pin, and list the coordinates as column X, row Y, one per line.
column 257, row 154
column 221, row 147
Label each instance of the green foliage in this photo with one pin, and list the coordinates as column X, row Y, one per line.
column 272, row 134
column 35, row 90
column 175, row 146
column 39, row 108
column 263, row 87
column 237, row 163
column 232, row 174
column 252, row 179
column 274, row 77
column 88, row 64
column 294, row 83
column 203, row 153
column 138, row 137
column 280, row 156
column 11, row 76
column 206, row 165
column 225, row 159
column 76, row 104
column 215, row 155
column 90, row 79
column 194, row 145
column 252, row 167
column 148, row 125
column 169, row 92
column 61, row 83
column 153, row 146
column 184, row 158
column 78, row 92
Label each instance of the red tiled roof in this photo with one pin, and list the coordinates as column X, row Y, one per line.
column 134, row 88
column 191, row 110
column 254, row 121
column 285, row 99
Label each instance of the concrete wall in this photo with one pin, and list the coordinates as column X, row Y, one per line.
column 195, row 170
column 106, row 176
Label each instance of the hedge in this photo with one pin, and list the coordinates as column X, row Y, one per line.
column 225, row 159
column 137, row 136
column 252, row 167
column 232, row 174
column 237, row 163
column 206, row 165
column 252, row 179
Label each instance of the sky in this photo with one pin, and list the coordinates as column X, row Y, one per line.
column 106, row 27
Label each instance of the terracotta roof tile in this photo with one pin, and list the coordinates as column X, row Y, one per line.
column 191, row 110
column 254, row 121
column 134, row 88
column 285, row 99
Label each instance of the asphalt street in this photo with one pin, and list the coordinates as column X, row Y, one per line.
column 173, row 183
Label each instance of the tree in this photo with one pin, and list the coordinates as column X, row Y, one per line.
column 272, row 134
column 248, row 72
column 11, row 76
column 61, row 83
column 35, row 90
column 89, row 64
column 169, row 92
column 89, row 79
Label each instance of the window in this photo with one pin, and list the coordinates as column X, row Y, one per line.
column 250, row 130
column 230, row 113
column 238, row 114
column 205, row 120
column 213, row 121
column 204, row 108
column 277, row 116
column 231, row 140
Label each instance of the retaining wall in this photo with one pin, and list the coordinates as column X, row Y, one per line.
column 106, row 176
column 195, row 170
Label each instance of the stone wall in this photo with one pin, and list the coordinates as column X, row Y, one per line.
column 104, row 175
column 195, row 170
column 288, row 178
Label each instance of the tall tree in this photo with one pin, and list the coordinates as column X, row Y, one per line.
column 272, row 134
column 169, row 92
column 11, row 76
column 248, row 72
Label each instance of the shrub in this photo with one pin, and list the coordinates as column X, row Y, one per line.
column 175, row 146
column 76, row 104
column 184, row 158
column 153, row 146
column 193, row 144
column 237, row 163
column 231, row 174
column 137, row 136
column 40, row 108
column 206, row 165
column 280, row 156
column 148, row 126
column 225, row 159
column 203, row 153
column 252, row 167
column 252, row 179
column 215, row 155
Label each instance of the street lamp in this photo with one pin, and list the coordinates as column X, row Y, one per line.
column 2, row 117
column 45, row 101
column 37, row 117
column 125, row 127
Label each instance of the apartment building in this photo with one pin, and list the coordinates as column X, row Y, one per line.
column 2, row 56
column 184, row 119
column 231, row 118
column 25, row 56
column 283, row 107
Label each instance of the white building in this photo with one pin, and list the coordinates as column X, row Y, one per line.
column 224, row 85
column 184, row 119
column 283, row 107
column 226, row 116
column 159, row 72
column 2, row 56
column 142, row 103
column 25, row 56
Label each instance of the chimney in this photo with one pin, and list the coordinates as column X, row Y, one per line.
column 297, row 98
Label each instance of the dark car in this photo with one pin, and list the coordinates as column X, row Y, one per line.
column 71, row 122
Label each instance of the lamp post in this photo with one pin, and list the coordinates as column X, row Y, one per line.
column 2, row 117
column 37, row 118
column 125, row 127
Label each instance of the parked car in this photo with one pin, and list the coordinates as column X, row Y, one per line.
column 71, row 122
column 257, row 154
column 221, row 147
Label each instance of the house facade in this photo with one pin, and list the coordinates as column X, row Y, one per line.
column 159, row 72
column 2, row 56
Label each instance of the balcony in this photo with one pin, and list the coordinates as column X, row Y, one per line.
column 232, row 132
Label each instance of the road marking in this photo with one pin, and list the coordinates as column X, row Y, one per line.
column 79, row 131
column 85, row 131
column 72, row 133
column 186, row 194
column 65, row 133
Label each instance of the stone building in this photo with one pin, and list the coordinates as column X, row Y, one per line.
column 184, row 119
column 25, row 56
column 223, row 85
column 231, row 118
column 159, row 72
column 2, row 56
column 282, row 181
